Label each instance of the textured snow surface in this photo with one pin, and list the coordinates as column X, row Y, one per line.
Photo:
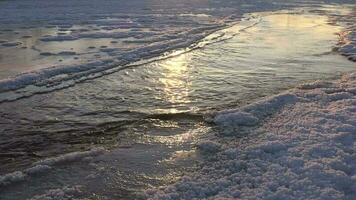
column 304, row 149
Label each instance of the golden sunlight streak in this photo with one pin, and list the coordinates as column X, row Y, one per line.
column 176, row 79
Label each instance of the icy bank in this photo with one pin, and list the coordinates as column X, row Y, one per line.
column 304, row 148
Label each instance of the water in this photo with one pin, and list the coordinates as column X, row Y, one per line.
column 150, row 116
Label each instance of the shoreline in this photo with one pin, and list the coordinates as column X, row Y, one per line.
column 251, row 138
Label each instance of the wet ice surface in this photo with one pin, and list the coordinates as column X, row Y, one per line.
column 148, row 117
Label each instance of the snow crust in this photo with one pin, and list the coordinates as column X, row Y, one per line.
column 304, row 148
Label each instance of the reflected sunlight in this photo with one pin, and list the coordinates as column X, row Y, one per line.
column 313, row 23
column 176, row 79
column 292, row 33
column 188, row 137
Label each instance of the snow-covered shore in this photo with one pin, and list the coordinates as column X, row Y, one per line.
column 302, row 148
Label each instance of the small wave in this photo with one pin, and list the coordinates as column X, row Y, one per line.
column 59, row 77
column 47, row 164
column 172, row 116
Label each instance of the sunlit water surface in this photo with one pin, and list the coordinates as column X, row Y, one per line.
column 150, row 116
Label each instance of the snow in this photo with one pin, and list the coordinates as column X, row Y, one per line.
column 315, row 84
column 348, row 37
column 47, row 164
column 116, row 59
column 230, row 121
column 11, row 44
column 140, row 30
column 12, row 178
column 65, row 193
column 143, row 32
column 59, row 26
column 70, row 157
column 303, row 148
column 208, row 147
column 37, row 169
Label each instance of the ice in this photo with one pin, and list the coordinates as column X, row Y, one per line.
column 250, row 115
column 47, row 164
column 208, row 147
column 59, row 38
column 58, row 74
column 62, row 53
column 70, row 157
column 37, row 169
column 348, row 37
column 241, row 170
column 32, row 77
column 11, row 178
column 145, row 34
column 316, row 84
column 67, row 53
column 236, row 118
column 11, row 44
column 46, row 54
column 65, row 193
column 145, row 45
column 27, row 36
column 305, row 149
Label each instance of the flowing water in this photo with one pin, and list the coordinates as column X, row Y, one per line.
column 150, row 116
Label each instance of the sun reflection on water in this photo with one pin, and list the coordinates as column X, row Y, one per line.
column 176, row 80
column 290, row 35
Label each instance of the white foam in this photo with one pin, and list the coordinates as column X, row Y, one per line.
column 42, row 80
column 47, row 164
column 11, row 44
column 65, row 193
column 70, row 157
column 37, row 169
column 315, row 84
column 12, row 178
column 208, row 147
column 230, row 121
